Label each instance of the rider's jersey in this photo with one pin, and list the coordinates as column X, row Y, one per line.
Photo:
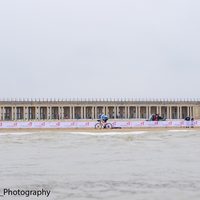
column 102, row 117
column 105, row 117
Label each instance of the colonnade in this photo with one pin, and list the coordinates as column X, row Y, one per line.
column 92, row 111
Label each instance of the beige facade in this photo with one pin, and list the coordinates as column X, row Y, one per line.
column 90, row 109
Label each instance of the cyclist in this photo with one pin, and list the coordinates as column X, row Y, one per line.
column 105, row 118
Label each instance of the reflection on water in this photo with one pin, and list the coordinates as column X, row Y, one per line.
column 112, row 165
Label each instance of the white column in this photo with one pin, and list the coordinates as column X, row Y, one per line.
column 35, row 112
column 139, row 111
column 73, row 115
column 118, row 111
column 62, row 113
column 147, row 115
column 70, row 112
column 27, row 116
column 128, row 111
column 84, row 112
column 170, row 112
column 81, row 112
column 95, row 112
column 181, row 115
column 39, row 113
column 187, row 110
column 50, row 112
column 15, row 113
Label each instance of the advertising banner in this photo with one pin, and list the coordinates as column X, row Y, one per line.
column 121, row 124
column 86, row 124
column 91, row 124
column 68, row 124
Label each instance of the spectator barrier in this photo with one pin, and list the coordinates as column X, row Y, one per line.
column 127, row 124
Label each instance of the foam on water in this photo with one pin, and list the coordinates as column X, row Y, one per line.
column 16, row 133
column 109, row 133
column 180, row 130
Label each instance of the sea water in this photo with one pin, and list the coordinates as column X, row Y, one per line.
column 107, row 165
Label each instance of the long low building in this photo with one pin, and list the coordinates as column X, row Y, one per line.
column 40, row 109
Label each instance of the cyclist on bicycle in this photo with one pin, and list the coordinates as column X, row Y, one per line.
column 103, row 118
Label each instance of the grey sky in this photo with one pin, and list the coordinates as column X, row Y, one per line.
column 99, row 49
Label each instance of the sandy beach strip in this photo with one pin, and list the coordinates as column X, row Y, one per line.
column 95, row 130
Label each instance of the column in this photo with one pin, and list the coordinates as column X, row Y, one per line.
column 84, row 112
column 139, row 111
column 15, row 113
column 170, row 112
column 149, row 111
column 73, row 114
column 187, row 110
column 125, row 112
column 39, row 113
column 70, row 112
column 58, row 112
column 96, row 112
column 128, row 111
column 81, row 112
column 50, row 110
column 147, row 115
column 27, row 113
column 167, row 112
column 181, row 115
column 117, row 111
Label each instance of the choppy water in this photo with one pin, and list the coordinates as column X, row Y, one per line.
column 135, row 165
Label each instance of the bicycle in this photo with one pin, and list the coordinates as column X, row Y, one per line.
column 101, row 125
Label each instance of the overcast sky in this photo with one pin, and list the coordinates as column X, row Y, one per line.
column 100, row 49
